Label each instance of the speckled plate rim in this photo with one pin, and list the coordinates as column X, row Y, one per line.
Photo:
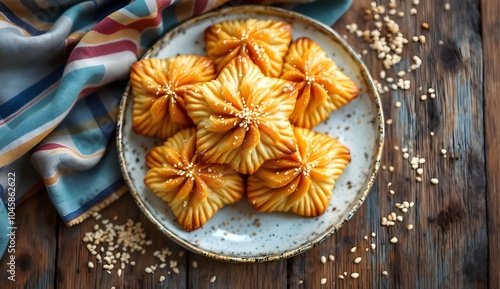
column 270, row 11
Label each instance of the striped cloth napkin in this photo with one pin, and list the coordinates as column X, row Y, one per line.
column 63, row 68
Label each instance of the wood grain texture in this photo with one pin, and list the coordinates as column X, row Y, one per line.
column 73, row 254
column 456, row 235
column 490, row 11
column 448, row 246
column 36, row 239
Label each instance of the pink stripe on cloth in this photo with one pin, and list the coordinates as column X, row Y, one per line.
column 199, row 6
column 84, row 52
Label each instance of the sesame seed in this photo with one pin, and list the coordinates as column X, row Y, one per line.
column 119, row 272
column 406, row 156
column 323, row 259
column 194, row 264
column 413, row 11
column 418, row 179
column 399, row 218
column 434, row 181
column 385, row 273
column 357, row 260
column 161, row 279
column 389, row 121
column 423, row 97
column 443, row 151
column 421, row 39
column 425, row 25
column 354, row 275
column 431, row 133
column 373, row 234
column 331, row 258
column 392, row 192
column 148, row 270
column 353, row 249
column 420, row 171
column 212, row 280
column 323, row 281
column 394, row 240
column 409, row 227
column 91, row 265
column 373, row 246
column 447, row 7
column 341, row 277
column 397, row 104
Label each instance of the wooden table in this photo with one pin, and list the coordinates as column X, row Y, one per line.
column 455, row 241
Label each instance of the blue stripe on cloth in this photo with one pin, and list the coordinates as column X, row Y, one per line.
column 326, row 11
column 48, row 108
column 96, row 200
column 75, row 193
column 98, row 110
column 27, row 95
column 138, row 9
column 18, row 21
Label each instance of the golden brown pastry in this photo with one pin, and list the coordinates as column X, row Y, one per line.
column 242, row 117
column 194, row 190
column 264, row 41
column 158, row 87
column 322, row 87
column 301, row 183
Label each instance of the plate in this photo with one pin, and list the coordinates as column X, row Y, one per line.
column 237, row 233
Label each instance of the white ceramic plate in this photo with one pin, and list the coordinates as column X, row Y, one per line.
column 237, row 233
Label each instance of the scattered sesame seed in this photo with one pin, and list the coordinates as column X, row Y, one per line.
column 399, row 218
column 443, row 151
column 434, row 181
column 357, row 260
column 323, row 281
column 323, row 259
column 421, row 39
column 425, row 25
column 392, row 192
column 423, row 97
column 341, row 277
column 397, row 104
column 161, row 279
column 388, row 122
column 194, row 264
column 409, row 227
column 148, row 270
column 418, row 179
column 212, row 280
column 406, row 156
column 431, row 90
column 394, row 240
column 353, row 249
column 373, row 234
column 331, row 258
column 447, row 7
column 413, row 11
column 385, row 273
column 431, row 133
column 354, row 275
column 373, row 246
column 91, row 265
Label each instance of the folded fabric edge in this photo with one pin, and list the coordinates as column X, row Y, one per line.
column 97, row 207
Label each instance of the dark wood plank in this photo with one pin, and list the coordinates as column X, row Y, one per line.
column 227, row 275
column 448, row 246
column 35, row 245
column 491, row 41
column 72, row 253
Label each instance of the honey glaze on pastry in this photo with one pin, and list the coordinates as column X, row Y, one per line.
column 322, row 87
column 301, row 183
column 158, row 87
column 242, row 117
column 266, row 42
column 194, row 190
